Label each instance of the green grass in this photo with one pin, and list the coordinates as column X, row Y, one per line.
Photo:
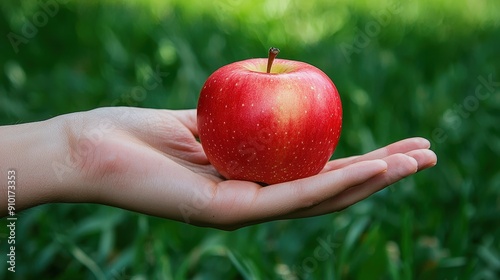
column 410, row 69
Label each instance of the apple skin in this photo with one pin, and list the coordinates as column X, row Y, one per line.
column 269, row 127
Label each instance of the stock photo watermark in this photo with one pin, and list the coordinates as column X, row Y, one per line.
column 11, row 220
column 90, row 138
column 324, row 251
column 39, row 19
column 139, row 93
column 455, row 116
column 249, row 148
column 199, row 201
column 363, row 37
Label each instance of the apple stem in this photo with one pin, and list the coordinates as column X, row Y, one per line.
column 273, row 52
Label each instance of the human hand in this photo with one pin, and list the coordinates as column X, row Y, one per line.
column 149, row 161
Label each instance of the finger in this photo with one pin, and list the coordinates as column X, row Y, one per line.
column 278, row 200
column 399, row 166
column 339, row 162
column 174, row 133
column 187, row 118
column 402, row 146
column 425, row 158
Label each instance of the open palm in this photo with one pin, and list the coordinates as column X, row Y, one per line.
column 149, row 161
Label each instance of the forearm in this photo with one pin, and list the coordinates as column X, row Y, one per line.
column 36, row 154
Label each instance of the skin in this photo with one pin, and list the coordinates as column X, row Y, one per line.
column 149, row 161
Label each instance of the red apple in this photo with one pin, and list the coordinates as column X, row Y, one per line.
column 269, row 123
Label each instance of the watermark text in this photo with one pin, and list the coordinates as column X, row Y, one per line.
column 11, row 220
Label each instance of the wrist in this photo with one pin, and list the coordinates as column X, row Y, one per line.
column 38, row 153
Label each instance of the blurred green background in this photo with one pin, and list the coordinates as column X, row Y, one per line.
column 410, row 68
